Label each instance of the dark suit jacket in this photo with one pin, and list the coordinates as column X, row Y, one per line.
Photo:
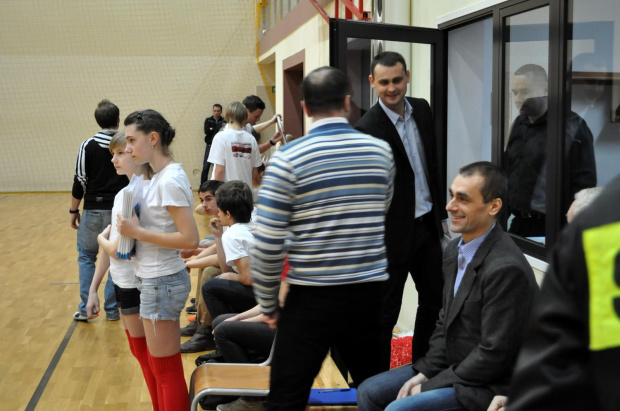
column 400, row 216
column 479, row 331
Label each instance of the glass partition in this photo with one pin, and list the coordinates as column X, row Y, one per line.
column 593, row 117
column 470, row 75
column 526, row 63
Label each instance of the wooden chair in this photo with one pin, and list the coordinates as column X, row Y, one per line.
column 231, row 379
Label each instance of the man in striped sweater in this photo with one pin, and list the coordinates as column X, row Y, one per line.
column 97, row 183
column 327, row 193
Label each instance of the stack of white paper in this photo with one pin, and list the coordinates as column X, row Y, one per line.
column 126, row 244
column 132, row 197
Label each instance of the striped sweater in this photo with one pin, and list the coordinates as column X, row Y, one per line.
column 327, row 194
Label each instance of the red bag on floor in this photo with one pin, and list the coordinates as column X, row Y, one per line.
column 401, row 351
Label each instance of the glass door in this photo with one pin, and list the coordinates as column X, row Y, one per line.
column 353, row 45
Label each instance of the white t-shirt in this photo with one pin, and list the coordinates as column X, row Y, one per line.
column 169, row 187
column 236, row 150
column 248, row 127
column 122, row 271
column 237, row 241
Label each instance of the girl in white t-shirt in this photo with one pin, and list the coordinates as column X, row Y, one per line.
column 166, row 226
column 122, row 270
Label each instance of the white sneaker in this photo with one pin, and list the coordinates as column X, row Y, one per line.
column 79, row 317
column 241, row 405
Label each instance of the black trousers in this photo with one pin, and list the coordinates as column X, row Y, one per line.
column 242, row 341
column 312, row 320
column 227, row 296
column 204, row 176
column 528, row 227
column 424, row 264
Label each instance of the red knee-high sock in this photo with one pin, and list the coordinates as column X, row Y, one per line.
column 171, row 379
column 141, row 352
column 160, row 390
column 129, row 340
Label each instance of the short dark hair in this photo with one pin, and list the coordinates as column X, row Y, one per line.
column 325, row 89
column 537, row 72
column 236, row 198
column 148, row 121
column 495, row 181
column 387, row 59
column 217, row 105
column 107, row 114
column 253, row 102
column 210, row 186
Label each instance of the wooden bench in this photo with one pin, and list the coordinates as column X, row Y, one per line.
column 253, row 380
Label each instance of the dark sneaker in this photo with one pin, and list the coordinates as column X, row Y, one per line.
column 189, row 329
column 214, row 356
column 113, row 318
column 241, row 404
column 191, row 309
column 198, row 343
column 79, row 317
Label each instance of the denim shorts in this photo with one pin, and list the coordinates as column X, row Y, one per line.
column 163, row 298
column 127, row 299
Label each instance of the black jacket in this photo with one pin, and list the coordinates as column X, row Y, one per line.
column 479, row 332
column 571, row 355
column 212, row 127
column 400, row 217
column 526, row 154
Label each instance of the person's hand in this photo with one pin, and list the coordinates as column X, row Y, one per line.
column 277, row 137
column 271, row 320
column 92, row 306
column 216, row 227
column 228, row 276
column 105, row 234
column 499, row 403
column 188, row 253
column 129, row 227
column 412, row 386
column 75, row 221
column 273, row 119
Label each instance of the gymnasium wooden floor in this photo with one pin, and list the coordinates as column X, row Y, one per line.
column 48, row 360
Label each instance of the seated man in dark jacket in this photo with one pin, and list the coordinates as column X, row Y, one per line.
column 489, row 287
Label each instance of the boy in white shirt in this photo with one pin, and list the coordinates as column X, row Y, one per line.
column 234, row 152
column 231, row 292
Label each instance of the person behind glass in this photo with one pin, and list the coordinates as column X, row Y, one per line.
column 525, row 155
column 488, row 292
column 165, row 227
column 212, row 126
column 231, row 291
column 413, row 227
column 97, row 183
column 122, row 271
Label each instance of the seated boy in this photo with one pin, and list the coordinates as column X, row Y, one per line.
column 207, row 263
column 231, row 292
